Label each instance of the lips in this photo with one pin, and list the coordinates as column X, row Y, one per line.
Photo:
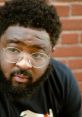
column 21, row 78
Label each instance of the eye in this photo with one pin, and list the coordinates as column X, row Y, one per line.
column 12, row 50
column 38, row 56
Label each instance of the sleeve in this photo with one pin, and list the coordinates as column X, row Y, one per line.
column 72, row 101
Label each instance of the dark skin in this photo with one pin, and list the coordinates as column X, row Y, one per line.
column 27, row 40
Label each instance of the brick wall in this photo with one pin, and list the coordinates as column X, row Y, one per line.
column 69, row 47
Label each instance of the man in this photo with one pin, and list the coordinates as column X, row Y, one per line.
column 32, row 84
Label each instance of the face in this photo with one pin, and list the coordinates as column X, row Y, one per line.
column 26, row 43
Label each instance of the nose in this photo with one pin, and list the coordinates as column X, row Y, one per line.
column 24, row 63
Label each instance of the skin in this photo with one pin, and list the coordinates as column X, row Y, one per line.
column 28, row 40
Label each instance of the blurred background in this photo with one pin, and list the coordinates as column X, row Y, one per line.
column 69, row 47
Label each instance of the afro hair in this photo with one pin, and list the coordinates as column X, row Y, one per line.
column 30, row 13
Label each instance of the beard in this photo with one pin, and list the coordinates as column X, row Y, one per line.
column 22, row 90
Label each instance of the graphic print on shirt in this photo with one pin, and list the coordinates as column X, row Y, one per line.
column 29, row 113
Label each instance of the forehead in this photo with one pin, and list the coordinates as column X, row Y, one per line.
column 22, row 32
column 29, row 36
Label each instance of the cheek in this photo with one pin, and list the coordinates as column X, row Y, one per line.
column 37, row 73
column 5, row 67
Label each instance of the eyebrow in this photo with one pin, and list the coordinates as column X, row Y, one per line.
column 13, row 41
column 40, row 46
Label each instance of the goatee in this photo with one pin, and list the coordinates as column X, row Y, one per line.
column 22, row 91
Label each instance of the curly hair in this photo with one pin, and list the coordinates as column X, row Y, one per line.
column 30, row 13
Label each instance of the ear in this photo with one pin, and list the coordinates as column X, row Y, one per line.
column 52, row 51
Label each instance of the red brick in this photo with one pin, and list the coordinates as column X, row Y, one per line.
column 80, row 86
column 2, row 0
column 77, row 9
column 63, row 10
column 75, row 63
column 63, row 61
column 68, row 51
column 81, row 38
column 69, row 38
column 78, row 75
column 67, row 0
column 71, row 24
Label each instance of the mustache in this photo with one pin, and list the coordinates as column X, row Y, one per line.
column 23, row 72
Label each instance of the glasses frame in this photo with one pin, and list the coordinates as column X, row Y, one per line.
column 44, row 63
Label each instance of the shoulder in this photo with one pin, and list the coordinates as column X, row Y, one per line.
column 61, row 77
column 69, row 86
column 62, row 71
column 57, row 65
column 64, row 78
